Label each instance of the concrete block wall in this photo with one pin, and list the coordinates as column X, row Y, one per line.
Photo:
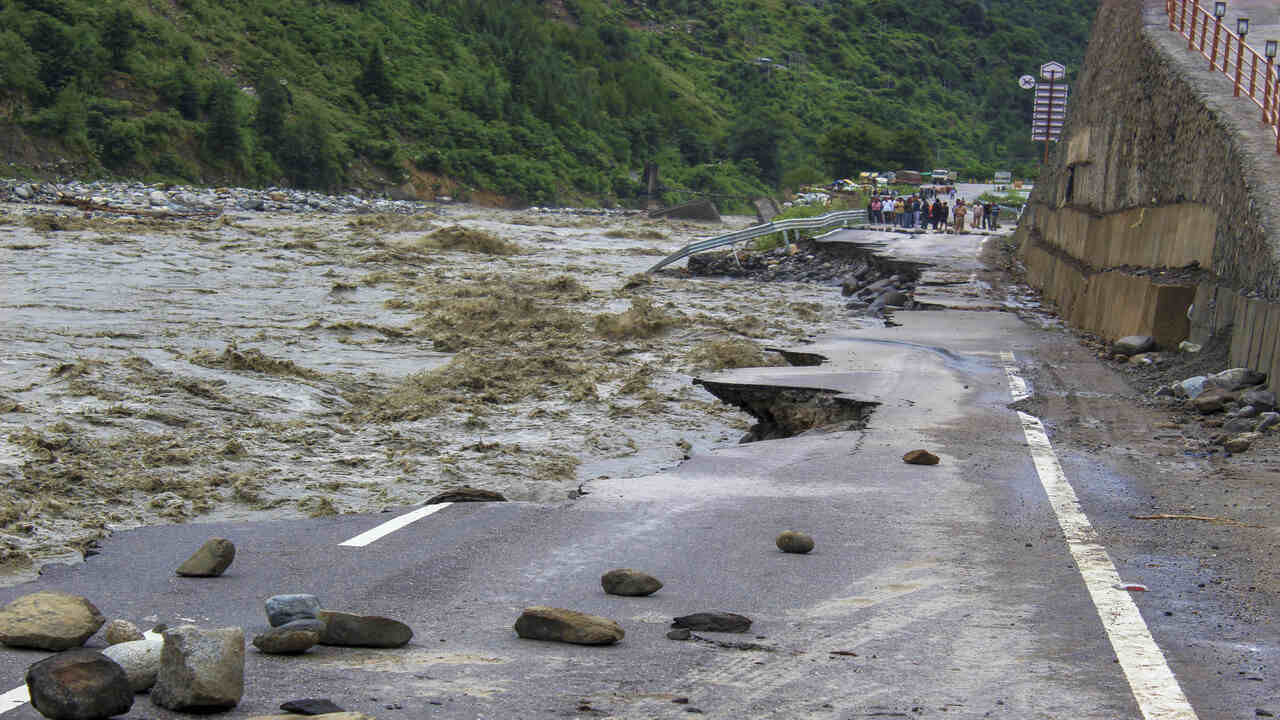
column 1162, row 198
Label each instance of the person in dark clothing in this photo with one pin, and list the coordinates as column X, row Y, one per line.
column 937, row 214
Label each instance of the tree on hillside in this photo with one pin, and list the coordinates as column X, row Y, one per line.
column 274, row 103
column 849, row 150
column 223, row 137
column 119, row 35
column 758, row 138
column 374, row 83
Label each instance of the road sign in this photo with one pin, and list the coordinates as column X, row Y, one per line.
column 1053, row 71
column 1027, row 82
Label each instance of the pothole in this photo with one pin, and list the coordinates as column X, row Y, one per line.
column 783, row 412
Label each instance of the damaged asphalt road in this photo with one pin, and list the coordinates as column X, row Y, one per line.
column 932, row 589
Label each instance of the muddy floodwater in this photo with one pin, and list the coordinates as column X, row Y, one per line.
column 274, row 365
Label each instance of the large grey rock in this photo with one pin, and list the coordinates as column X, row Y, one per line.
column 1191, row 387
column 791, row 541
column 1267, row 421
column 362, row 630
column 200, row 670
column 625, row 581
column 1264, row 400
column 283, row 609
column 285, row 641
column 1133, row 344
column 79, row 685
column 714, row 622
column 568, row 626
column 1236, row 378
column 120, row 631
column 140, row 660
column 49, row 621
column 158, row 198
column 211, row 560
column 24, row 191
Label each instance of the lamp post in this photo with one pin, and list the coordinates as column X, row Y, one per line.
column 1219, row 9
column 1242, row 29
column 1270, row 52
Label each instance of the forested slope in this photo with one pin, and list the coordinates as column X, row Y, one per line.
column 538, row 101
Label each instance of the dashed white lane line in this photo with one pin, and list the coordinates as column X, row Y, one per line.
column 392, row 525
column 1154, row 686
column 14, row 699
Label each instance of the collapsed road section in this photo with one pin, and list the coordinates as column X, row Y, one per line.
column 783, row 412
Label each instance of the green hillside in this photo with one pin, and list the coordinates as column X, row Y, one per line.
column 537, row 101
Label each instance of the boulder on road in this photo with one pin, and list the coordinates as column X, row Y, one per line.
column 920, row 457
column 1133, row 344
column 200, row 670
column 79, row 685
column 362, row 630
column 49, row 621
column 714, row 622
column 282, row 609
column 568, row 626
column 794, row 542
column 625, row 581
column 140, row 660
column 211, row 560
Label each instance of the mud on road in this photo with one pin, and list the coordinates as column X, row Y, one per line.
column 282, row 365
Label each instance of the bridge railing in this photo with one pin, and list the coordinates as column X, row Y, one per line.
column 842, row 218
column 1205, row 32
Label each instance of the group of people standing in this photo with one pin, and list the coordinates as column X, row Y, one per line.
column 915, row 211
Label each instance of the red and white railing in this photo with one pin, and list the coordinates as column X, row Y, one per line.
column 1251, row 74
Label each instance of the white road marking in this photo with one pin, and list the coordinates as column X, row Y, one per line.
column 1017, row 386
column 392, row 525
column 1154, row 686
column 14, row 699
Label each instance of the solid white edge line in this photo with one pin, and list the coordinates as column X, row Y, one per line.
column 1017, row 385
column 14, row 699
column 377, row 533
column 1154, row 686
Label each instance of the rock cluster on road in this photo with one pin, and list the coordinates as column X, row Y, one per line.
column 872, row 286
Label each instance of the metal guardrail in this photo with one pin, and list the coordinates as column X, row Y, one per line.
column 842, row 218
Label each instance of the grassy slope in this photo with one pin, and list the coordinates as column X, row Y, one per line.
column 538, row 101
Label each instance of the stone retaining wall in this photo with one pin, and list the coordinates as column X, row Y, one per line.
column 1160, row 168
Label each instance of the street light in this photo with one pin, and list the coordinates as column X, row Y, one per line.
column 1242, row 29
column 1219, row 10
column 1270, row 51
